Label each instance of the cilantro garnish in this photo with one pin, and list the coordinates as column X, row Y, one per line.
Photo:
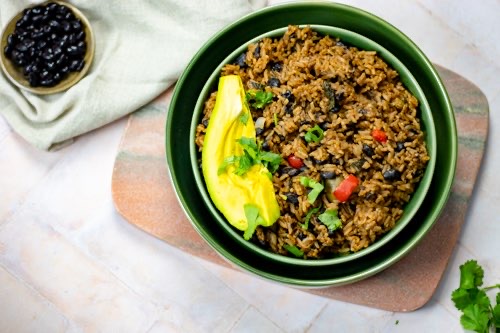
column 314, row 134
column 259, row 98
column 244, row 116
column 477, row 312
column 294, row 250
column 310, row 213
column 253, row 220
column 316, row 188
column 331, row 219
column 252, row 155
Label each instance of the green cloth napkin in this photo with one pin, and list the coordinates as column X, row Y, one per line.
column 142, row 46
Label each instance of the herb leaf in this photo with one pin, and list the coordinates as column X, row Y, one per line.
column 331, row 219
column 259, row 98
column 475, row 318
column 471, row 275
column 478, row 314
column 252, row 155
column 314, row 134
column 310, row 213
column 314, row 185
column 244, row 116
column 253, row 219
column 294, row 250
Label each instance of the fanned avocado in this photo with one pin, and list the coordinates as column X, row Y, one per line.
column 245, row 200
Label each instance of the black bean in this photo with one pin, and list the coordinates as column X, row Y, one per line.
column 399, row 146
column 241, row 60
column 259, row 131
column 289, row 108
column 205, row 122
column 324, row 125
column 80, row 36
column 76, row 25
column 65, row 26
column 265, row 145
column 304, row 168
column 55, row 25
column 289, row 96
column 319, row 162
column 80, row 66
column 7, row 51
column 273, row 82
column 276, row 66
column 368, row 150
column 51, row 66
column 256, row 52
column 291, row 171
column 48, row 55
column 37, row 10
column 64, row 70
column 301, row 236
column 73, row 50
column 292, row 198
column 73, row 65
column 370, row 196
column 41, row 44
column 57, row 78
column 33, row 79
column 392, row 174
column 328, row 175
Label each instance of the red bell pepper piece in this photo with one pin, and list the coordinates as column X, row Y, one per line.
column 379, row 135
column 345, row 188
column 295, row 162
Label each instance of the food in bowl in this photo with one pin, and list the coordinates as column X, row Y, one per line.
column 48, row 43
column 348, row 133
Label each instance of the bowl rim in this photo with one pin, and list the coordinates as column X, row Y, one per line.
column 11, row 71
column 429, row 76
column 425, row 117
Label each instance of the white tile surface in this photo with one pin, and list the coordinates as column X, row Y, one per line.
column 70, row 263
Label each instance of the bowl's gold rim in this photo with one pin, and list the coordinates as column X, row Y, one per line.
column 15, row 75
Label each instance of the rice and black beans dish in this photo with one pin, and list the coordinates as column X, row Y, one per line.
column 337, row 113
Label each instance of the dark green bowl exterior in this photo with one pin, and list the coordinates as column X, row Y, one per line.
column 214, row 52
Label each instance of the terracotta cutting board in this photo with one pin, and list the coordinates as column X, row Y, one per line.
column 144, row 196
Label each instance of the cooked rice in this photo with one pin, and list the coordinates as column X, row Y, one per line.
column 348, row 92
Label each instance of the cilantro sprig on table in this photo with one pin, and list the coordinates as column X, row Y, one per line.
column 478, row 314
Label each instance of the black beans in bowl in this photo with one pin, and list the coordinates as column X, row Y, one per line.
column 47, row 48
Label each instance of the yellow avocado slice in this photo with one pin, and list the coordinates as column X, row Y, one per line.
column 247, row 200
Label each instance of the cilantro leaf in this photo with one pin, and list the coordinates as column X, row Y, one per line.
column 259, row 98
column 252, row 155
column 496, row 314
column 475, row 318
column 314, row 134
column 253, row 220
column 244, row 116
column 331, row 219
column 227, row 162
column 310, row 213
column 294, row 250
column 471, row 275
column 464, row 297
column 477, row 312
column 270, row 160
column 316, row 188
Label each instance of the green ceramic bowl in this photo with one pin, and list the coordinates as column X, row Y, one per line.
column 215, row 51
column 425, row 114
